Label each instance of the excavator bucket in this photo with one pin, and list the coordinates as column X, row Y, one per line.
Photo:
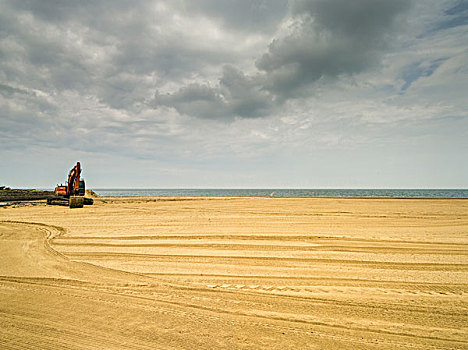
column 76, row 202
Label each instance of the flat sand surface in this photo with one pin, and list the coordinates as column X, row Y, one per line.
column 292, row 273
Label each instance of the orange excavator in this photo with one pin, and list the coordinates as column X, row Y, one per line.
column 72, row 194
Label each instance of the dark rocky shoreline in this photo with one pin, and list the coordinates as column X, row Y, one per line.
column 11, row 195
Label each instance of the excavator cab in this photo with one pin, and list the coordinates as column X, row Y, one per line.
column 81, row 188
column 61, row 190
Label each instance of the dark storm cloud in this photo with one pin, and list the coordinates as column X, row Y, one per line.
column 236, row 95
column 101, row 48
column 326, row 39
column 363, row 19
column 194, row 99
column 121, row 52
column 330, row 38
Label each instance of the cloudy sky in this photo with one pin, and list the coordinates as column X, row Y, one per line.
column 222, row 93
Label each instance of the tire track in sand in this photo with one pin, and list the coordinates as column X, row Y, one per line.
column 351, row 300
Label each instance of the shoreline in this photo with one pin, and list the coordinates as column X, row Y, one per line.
column 304, row 197
column 287, row 193
column 42, row 201
column 28, row 195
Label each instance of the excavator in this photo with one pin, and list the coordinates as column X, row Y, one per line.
column 72, row 193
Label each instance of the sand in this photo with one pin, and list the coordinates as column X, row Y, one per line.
column 298, row 273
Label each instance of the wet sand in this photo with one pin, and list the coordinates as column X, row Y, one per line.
column 299, row 273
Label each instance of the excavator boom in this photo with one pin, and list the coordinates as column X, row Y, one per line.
column 74, row 179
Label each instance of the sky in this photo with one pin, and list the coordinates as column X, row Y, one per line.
column 234, row 94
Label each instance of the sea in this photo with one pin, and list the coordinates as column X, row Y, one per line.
column 273, row 192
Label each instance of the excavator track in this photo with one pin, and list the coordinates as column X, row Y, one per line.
column 72, row 202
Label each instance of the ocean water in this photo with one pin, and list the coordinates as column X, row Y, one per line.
column 452, row 193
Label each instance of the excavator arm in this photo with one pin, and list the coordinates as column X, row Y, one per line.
column 74, row 180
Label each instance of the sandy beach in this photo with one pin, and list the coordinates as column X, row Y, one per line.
column 210, row 273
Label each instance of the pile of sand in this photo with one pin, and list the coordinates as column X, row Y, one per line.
column 91, row 193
